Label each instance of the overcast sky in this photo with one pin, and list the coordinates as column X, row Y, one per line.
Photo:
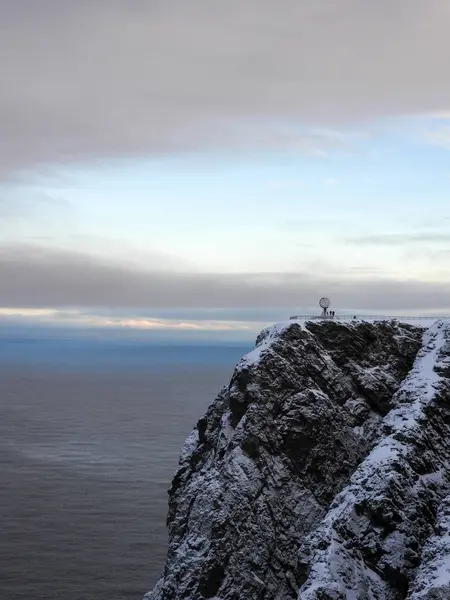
column 205, row 164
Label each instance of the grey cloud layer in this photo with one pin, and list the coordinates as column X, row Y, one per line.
column 33, row 277
column 110, row 77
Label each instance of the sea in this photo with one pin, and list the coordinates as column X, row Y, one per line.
column 90, row 434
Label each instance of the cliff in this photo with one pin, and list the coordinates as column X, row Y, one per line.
column 322, row 472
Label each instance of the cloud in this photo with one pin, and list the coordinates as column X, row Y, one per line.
column 80, row 319
column 19, row 207
column 400, row 239
column 438, row 137
column 92, row 79
column 34, row 277
column 441, row 115
column 309, row 141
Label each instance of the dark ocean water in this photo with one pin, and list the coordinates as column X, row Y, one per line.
column 90, row 434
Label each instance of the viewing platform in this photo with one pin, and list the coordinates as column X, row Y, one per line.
column 402, row 318
column 330, row 315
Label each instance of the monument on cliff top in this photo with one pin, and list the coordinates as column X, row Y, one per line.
column 325, row 304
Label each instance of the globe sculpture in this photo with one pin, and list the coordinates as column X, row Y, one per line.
column 324, row 303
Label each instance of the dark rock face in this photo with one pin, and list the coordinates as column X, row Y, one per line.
column 321, row 472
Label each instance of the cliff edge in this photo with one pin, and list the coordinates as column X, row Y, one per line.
column 322, row 472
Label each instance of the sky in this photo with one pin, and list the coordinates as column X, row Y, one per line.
column 204, row 168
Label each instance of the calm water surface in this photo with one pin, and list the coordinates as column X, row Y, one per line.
column 89, row 438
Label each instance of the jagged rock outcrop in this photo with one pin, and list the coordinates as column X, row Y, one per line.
column 322, row 472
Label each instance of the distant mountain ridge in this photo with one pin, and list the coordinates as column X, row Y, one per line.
column 322, row 472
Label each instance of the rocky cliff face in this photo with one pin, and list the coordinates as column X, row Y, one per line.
column 322, row 472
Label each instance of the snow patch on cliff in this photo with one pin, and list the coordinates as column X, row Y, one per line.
column 338, row 565
column 433, row 576
column 267, row 337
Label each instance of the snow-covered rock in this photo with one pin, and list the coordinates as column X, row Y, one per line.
column 321, row 472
